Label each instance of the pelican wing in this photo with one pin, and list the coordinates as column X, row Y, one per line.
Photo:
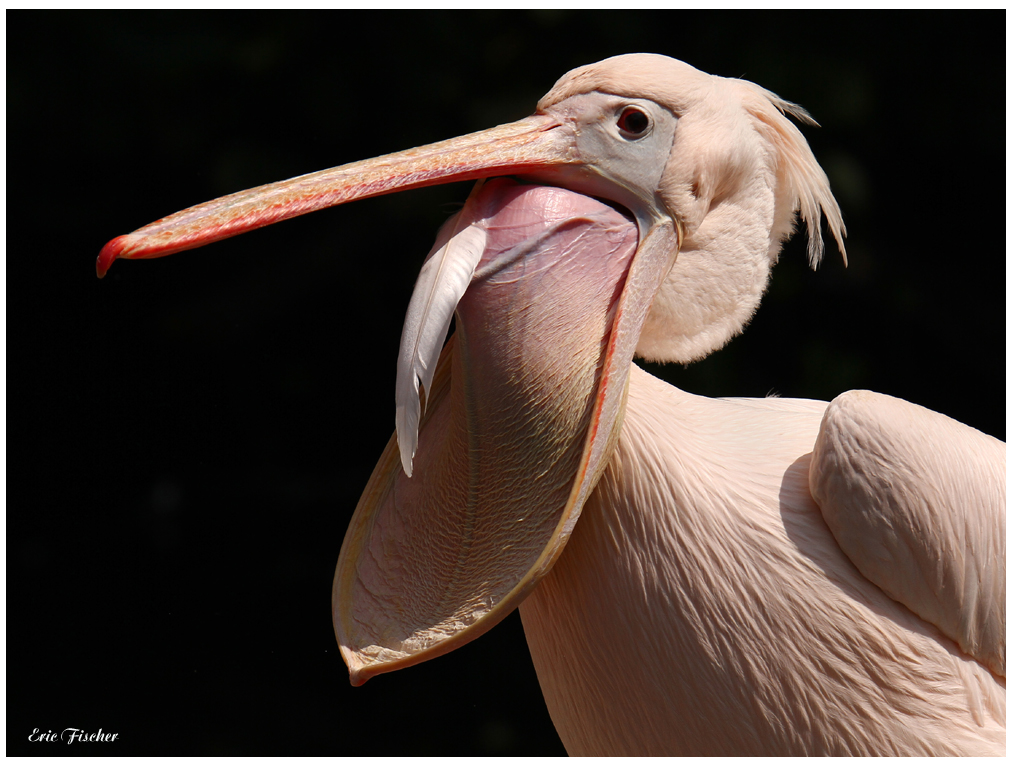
column 916, row 500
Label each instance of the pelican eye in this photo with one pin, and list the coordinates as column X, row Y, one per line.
column 633, row 122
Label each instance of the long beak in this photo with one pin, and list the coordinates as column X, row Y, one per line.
column 536, row 143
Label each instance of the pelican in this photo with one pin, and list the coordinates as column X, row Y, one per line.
column 695, row 576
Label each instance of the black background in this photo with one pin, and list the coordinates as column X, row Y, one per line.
column 188, row 437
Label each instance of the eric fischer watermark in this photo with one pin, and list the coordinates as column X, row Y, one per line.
column 72, row 735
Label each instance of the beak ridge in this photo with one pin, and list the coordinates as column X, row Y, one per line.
column 530, row 144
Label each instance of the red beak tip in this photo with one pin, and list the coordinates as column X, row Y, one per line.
column 110, row 252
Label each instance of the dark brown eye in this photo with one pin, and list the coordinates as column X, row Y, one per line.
column 633, row 122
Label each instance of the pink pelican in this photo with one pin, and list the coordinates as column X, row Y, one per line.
column 695, row 576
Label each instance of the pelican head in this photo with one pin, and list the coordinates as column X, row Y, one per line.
column 707, row 173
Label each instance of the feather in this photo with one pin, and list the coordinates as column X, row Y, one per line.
column 443, row 280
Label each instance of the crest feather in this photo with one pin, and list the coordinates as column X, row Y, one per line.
column 804, row 180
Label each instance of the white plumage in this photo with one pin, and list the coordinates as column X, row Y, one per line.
column 781, row 646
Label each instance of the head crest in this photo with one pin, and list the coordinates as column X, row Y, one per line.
column 803, row 181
